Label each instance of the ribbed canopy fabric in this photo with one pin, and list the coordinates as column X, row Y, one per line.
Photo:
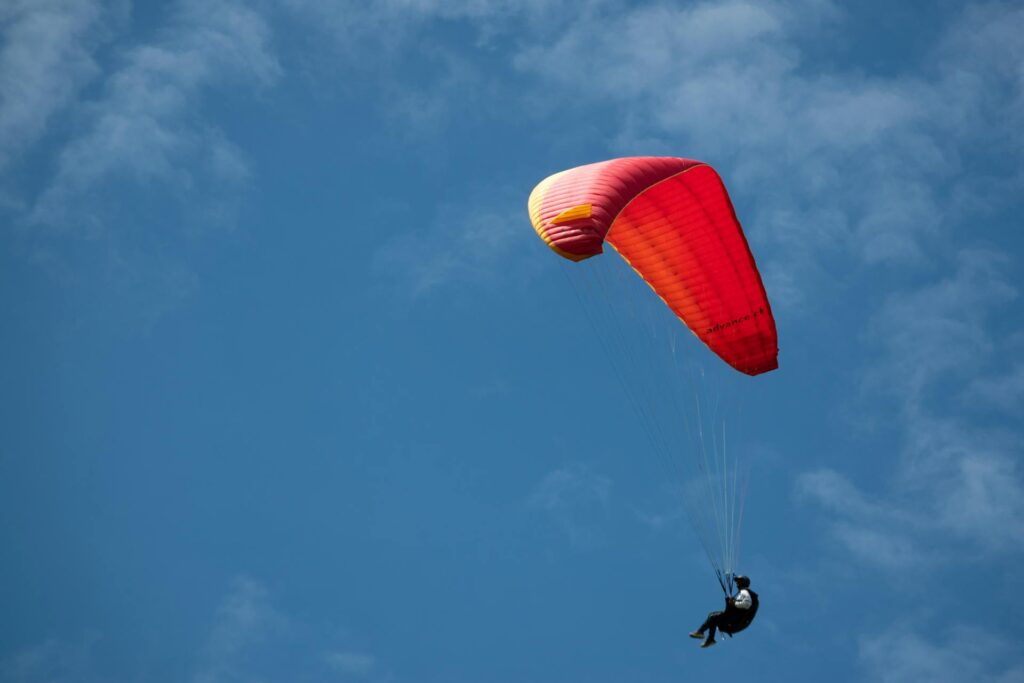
column 673, row 222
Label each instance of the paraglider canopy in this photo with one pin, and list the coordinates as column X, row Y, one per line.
column 672, row 220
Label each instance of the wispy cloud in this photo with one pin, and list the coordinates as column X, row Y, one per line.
column 144, row 127
column 940, row 330
column 142, row 159
column 955, row 480
column 46, row 59
column 52, row 661
column 669, row 515
column 575, row 499
column 877, row 532
column 904, row 654
column 422, row 83
column 351, row 664
column 1004, row 392
column 465, row 244
column 244, row 619
column 934, row 343
column 389, row 23
column 249, row 639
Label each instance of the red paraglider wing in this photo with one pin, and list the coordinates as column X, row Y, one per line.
column 673, row 222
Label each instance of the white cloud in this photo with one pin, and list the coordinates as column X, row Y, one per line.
column 45, row 60
column 144, row 126
column 654, row 47
column 389, row 22
column 934, row 342
column 939, row 331
column 876, row 532
column 1004, row 391
column 142, row 158
column 571, row 486
column 670, row 514
column 251, row 640
column 903, row 654
column 468, row 243
column 52, row 661
column 574, row 498
column 244, row 619
column 351, row 664
column 955, row 483
column 970, row 479
column 420, row 82
column 986, row 42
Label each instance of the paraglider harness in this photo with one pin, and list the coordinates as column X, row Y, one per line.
column 734, row 620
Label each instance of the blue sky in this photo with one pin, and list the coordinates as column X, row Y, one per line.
column 284, row 392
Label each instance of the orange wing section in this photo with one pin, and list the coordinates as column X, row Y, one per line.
column 673, row 222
